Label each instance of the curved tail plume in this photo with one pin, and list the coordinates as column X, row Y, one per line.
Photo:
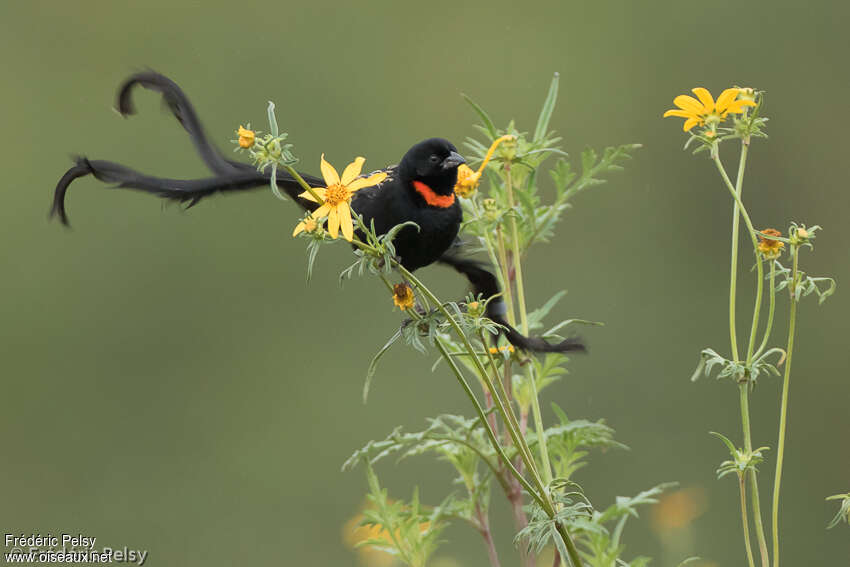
column 229, row 176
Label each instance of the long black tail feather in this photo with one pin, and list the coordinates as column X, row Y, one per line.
column 484, row 282
column 189, row 191
column 229, row 175
column 183, row 111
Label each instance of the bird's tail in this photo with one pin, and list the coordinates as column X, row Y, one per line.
column 484, row 282
column 228, row 175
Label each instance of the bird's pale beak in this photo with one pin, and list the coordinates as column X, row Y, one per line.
column 454, row 160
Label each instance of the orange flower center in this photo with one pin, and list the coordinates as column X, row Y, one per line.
column 336, row 194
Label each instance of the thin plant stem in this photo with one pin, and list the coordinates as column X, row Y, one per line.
column 304, row 184
column 514, row 423
column 487, row 534
column 744, row 388
column 742, row 485
column 772, row 309
column 541, row 497
column 523, row 314
column 520, row 286
column 733, row 271
column 748, row 446
column 783, row 414
column 500, row 405
column 482, row 416
column 506, row 275
column 757, row 309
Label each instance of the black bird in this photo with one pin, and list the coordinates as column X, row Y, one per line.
column 419, row 189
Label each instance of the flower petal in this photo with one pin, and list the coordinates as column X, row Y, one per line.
column 333, row 223
column 320, row 191
column 688, row 103
column 321, row 212
column 737, row 106
column 329, row 173
column 690, row 123
column 362, row 182
column 298, row 228
column 725, row 98
column 679, row 113
column 352, row 170
column 344, row 212
column 705, row 98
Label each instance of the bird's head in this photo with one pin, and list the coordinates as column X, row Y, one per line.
column 431, row 165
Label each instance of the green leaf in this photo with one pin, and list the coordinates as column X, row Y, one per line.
column 370, row 373
column 726, row 441
column 546, row 112
column 272, row 120
column 485, row 118
column 535, row 318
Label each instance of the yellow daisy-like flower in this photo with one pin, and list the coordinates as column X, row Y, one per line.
column 770, row 249
column 403, row 296
column 705, row 110
column 467, row 179
column 337, row 196
column 246, row 137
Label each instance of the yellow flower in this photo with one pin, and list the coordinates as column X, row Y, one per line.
column 706, row 110
column 246, row 137
column 337, row 196
column 770, row 249
column 467, row 179
column 403, row 296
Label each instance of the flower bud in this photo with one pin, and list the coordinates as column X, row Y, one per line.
column 246, row 137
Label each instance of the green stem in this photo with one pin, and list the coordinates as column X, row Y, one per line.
column 523, row 314
column 745, row 411
column 742, row 485
column 733, row 277
column 491, row 249
column 769, row 327
column 520, row 288
column 572, row 550
column 792, row 324
column 741, row 208
column 528, row 458
column 757, row 309
column 541, row 495
column 483, row 417
column 506, row 276
column 297, row 176
column 509, row 420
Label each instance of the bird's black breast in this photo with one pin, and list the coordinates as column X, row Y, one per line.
column 390, row 204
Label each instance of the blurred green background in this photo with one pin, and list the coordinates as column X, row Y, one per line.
column 169, row 381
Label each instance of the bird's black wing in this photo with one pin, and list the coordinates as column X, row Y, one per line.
column 372, row 201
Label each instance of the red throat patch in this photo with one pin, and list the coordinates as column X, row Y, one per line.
column 441, row 201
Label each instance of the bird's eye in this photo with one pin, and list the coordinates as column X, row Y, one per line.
column 434, row 158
